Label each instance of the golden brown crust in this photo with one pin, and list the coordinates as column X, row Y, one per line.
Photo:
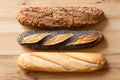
column 61, row 62
column 57, row 39
column 31, row 63
column 96, row 58
column 34, row 38
column 59, row 16
column 84, row 39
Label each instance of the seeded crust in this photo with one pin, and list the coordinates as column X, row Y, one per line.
column 62, row 17
column 61, row 61
column 63, row 39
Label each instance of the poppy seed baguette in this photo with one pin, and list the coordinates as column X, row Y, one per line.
column 61, row 61
column 60, row 17
column 61, row 40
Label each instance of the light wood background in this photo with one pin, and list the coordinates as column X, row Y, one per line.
column 10, row 49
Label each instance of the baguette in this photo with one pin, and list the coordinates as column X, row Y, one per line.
column 61, row 61
column 60, row 17
column 62, row 40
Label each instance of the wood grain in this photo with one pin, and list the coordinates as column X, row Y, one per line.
column 10, row 49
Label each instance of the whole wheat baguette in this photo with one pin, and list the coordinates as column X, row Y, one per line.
column 63, row 39
column 60, row 17
column 61, row 61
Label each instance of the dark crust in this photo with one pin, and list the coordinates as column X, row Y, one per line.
column 63, row 45
column 60, row 17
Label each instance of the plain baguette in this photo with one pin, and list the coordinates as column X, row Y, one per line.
column 60, row 17
column 61, row 61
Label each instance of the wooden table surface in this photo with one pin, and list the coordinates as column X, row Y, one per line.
column 10, row 49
